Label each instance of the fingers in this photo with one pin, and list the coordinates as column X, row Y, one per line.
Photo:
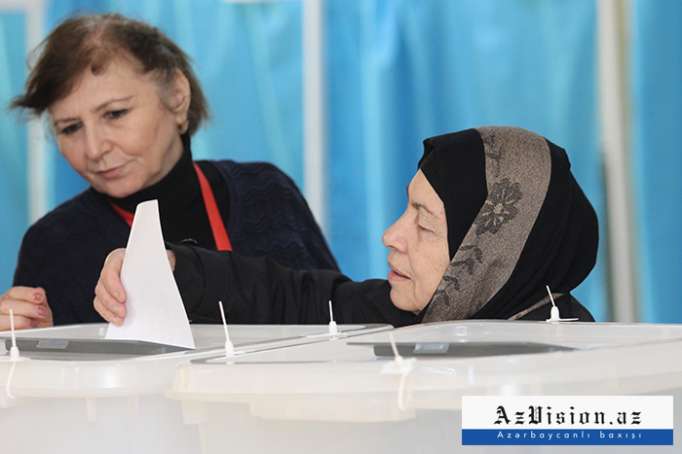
column 20, row 322
column 30, row 308
column 107, row 306
column 35, row 295
column 110, row 277
column 25, row 309
column 109, row 292
column 26, row 302
column 38, row 323
column 47, row 320
column 106, row 313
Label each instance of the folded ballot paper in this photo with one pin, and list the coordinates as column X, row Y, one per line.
column 154, row 309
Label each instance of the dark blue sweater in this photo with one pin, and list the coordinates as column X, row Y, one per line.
column 64, row 251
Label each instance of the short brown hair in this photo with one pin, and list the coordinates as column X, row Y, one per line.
column 92, row 41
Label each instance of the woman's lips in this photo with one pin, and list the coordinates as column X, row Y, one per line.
column 396, row 276
column 112, row 173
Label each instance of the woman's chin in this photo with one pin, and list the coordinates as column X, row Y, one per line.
column 117, row 189
column 402, row 301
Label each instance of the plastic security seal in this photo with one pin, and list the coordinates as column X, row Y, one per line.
column 333, row 329
column 399, row 365
column 14, row 354
column 554, row 315
column 229, row 347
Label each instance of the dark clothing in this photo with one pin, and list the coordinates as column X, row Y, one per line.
column 568, row 306
column 181, row 206
column 258, row 290
column 262, row 209
column 517, row 222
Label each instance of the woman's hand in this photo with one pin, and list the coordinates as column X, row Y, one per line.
column 30, row 308
column 110, row 296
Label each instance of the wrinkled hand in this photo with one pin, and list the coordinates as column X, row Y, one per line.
column 110, row 296
column 30, row 308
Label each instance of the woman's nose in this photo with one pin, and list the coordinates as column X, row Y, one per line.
column 393, row 237
column 97, row 144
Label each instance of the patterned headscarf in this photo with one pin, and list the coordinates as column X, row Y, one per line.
column 517, row 221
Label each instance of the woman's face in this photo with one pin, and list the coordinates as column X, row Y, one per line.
column 117, row 132
column 418, row 247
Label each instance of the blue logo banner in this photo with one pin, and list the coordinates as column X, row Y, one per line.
column 567, row 437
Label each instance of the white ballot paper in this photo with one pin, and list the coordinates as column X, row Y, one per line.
column 154, row 309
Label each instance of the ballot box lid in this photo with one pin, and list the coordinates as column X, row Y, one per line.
column 441, row 362
column 68, row 360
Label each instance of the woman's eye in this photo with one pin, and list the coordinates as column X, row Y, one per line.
column 72, row 128
column 114, row 114
column 423, row 229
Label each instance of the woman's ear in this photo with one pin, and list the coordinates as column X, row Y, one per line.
column 179, row 100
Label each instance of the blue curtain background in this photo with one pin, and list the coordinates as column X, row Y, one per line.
column 657, row 158
column 401, row 71
column 397, row 71
column 13, row 186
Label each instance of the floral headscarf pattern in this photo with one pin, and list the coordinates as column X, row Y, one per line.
column 517, row 171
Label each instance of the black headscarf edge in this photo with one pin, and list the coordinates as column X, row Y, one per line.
column 563, row 241
column 458, row 177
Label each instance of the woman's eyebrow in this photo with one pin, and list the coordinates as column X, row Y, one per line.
column 420, row 206
column 95, row 110
column 65, row 120
column 106, row 103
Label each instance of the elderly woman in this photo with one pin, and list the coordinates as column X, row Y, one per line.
column 493, row 216
column 123, row 102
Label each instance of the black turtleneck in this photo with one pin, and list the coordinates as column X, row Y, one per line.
column 63, row 252
column 181, row 206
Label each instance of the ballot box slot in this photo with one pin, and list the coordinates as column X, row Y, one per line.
column 461, row 349
column 89, row 349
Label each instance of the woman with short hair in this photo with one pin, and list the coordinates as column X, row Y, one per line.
column 123, row 103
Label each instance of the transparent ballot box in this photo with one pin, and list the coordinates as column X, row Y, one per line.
column 352, row 395
column 72, row 391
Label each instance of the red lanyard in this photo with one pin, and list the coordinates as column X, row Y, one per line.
column 220, row 236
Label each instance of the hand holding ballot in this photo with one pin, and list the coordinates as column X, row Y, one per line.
column 110, row 296
column 29, row 305
column 449, row 260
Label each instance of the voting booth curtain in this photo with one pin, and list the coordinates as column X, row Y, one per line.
column 395, row 72
column 13, row 140
column 657, row 155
